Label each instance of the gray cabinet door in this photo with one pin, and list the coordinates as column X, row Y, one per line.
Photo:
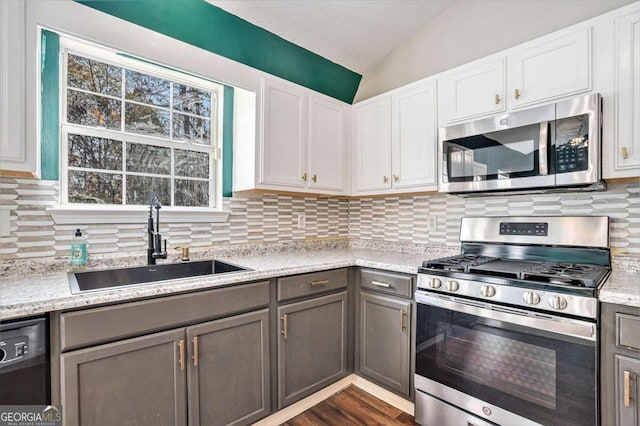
column 228, row 374
column 627, row 390
column 312, row 346
column 384, row 340
column 132, row 382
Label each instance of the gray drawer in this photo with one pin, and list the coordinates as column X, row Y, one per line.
column 387, row 282
column 97, row 325
column 309, row 284
column 628, row 331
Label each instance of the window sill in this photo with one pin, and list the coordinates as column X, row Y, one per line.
column 66, row 214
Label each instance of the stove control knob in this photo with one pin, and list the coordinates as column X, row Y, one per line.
column 488, row 290
column 435, row 283
column 558, row 302
column 531, row 298
column 453, row 285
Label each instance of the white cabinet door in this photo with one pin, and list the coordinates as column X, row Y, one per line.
column 475, row 91
column 283, row 153
column 328, row 167
column 551, row 69
column 622, row 157
column 15, row 155
column 372, row 145
column 414, row 138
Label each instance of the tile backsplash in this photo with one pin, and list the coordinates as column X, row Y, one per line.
column 423, row 220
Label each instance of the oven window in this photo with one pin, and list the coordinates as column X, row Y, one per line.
column 491, row 156
column 537, row 374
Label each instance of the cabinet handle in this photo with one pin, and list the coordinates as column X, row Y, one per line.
column 195, row 351
column 385, row 179
column 625, row 153
column 285, row 327
column 517, row 94
column 304, row 177
column 402, row 314
column 181, row 349
column 379, row 284
column 314, row 178
column 396, row 178
column 323, row 282
column 626, row 391
column 497, row 99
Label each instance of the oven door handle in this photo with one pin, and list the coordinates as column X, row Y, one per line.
column 569, row 327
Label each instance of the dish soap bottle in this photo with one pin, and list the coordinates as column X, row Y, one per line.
column 78, row 250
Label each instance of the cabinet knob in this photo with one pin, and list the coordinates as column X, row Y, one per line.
column 304, row 177
column 396, row 178
column 625, row 153
column 517, row 94
column 385, row 179
column 497, row 99
column 314, row 178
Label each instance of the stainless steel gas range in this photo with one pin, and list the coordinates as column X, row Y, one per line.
column 507, row 331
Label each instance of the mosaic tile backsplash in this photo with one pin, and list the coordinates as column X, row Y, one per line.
column 422, row 220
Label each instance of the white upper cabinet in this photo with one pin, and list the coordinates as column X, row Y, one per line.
column 328, row 143
column 621, row 146
column 284, row 144
column 17, row 157
column 395, row 142
column 372, row 145
column 550, row 69
column 414, row 134
column 475, row 91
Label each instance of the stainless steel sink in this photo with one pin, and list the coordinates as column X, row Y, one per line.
column 110, row 278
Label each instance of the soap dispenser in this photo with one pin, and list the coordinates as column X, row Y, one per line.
column 78, row 250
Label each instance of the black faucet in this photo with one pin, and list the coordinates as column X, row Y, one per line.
column 154, row 251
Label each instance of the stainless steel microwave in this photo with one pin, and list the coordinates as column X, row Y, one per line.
column 544, row 148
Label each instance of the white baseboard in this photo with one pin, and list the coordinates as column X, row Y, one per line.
column 303, row 405
column 312, row 400
column 383, row 394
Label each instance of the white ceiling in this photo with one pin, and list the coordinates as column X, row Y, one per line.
column 356, row 34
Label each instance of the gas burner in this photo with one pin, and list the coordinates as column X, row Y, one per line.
column 572, row 274
column 459, row 263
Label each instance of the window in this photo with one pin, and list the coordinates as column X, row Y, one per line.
column 129, row 128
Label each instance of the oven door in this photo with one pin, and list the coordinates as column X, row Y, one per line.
column 503, row 153
column 506, row 365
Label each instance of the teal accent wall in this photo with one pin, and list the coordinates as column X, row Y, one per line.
column 50, row 106
column 227, row 143
column 203, row 25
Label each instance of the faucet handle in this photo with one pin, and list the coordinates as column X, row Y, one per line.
column 185, row 253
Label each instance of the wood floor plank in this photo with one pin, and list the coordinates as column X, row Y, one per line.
column 382, row 406
column 352, row 406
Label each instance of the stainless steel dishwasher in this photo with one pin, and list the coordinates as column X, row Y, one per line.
column 24, row 362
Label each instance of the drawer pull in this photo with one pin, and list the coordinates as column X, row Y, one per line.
column 323, row 282
column 195, row 351
column 379, row 284
column 385, row 179
column 497, row 100
column 517, row 94
column 314, row 178
column 285, row 326
column 627, row 390
column 625, row 153
column 181, row 350
column 402, row 314
column 304, row 177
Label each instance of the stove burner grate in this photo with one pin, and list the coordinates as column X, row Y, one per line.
column 459, row 263
column 566, row 274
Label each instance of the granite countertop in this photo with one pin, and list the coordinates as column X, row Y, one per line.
column 29, row 293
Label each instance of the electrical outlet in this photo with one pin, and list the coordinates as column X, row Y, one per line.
column 302, row 221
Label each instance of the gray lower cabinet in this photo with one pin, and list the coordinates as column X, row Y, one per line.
column 132, row 382
column 384, row 346
column 216, row 372
column 228, row 374
column 620, row 365
column 312, row 346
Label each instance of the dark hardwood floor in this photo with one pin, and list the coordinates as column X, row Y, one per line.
column 352, row 406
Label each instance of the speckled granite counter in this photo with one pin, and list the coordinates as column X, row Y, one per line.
column 25, row 292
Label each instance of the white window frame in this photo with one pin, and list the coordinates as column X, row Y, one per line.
column 75, row 213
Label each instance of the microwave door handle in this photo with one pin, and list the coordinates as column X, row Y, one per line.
column 543, row 151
